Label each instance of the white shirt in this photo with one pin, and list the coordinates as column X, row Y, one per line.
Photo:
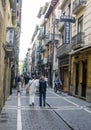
column 32, row 86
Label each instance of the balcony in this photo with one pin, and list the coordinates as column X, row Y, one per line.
column 39, row 48
column 55, row 38
column 64, row 49
column 39, row 62
column 41, row 35
column 10, row 43
column 78, row 40
column 78, row 5
column 14, row 12
column 52, row 38
column 43, row 48
column 12, row 4
column 50, row 58
column 48, row 39
column 45, row 61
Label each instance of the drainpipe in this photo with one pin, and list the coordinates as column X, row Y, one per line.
column 53, row 76
column 69, row 54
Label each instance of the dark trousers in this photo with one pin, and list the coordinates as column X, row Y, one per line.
column 42, row 97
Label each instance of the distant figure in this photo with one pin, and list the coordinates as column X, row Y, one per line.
column 16, row 81
column 32, row 90
column 57, row 84
column 19, row 82
column 46, row 79
column 57, row 81
column 37, row 84
column 27, row 78
column 42, row 91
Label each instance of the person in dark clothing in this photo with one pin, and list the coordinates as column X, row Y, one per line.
column 27, row 78
column 42, row 91
column 16, row 81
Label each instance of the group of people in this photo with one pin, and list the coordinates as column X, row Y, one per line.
column 32, row 85
column 42, row 85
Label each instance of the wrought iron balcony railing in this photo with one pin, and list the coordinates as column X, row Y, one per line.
column 78, row 5
column 52, row 38
column 50, row 58
column 78, row 40
column 10, row 42
column 43, row 48
column 48, row 39
column 41, row 35
column 64, row 49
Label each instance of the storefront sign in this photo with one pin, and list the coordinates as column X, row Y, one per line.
column 67, row 33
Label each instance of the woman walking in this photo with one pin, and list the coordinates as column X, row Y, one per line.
column 32, row 91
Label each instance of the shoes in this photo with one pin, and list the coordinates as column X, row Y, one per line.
column 32, row 104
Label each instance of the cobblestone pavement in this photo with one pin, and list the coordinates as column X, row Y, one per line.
column 62, row 112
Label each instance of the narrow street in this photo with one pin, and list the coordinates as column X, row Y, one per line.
column 62, row 112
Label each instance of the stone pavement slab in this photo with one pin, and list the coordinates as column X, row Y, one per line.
column 72, row 110
column 8, row 116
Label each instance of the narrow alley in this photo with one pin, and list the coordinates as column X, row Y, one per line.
column 62, row 112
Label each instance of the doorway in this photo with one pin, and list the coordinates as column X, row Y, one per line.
column 84, row 78
column 77, row 79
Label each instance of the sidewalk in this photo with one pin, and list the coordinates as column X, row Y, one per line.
column 8, row 116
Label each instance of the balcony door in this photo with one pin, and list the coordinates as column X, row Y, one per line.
column 80, row 24
column 77, row 79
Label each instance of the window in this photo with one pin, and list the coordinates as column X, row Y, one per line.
column 69, row 9
column 80, row 24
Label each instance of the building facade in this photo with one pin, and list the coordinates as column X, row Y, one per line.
column 9, row 45
column 81, row 50
column 69, row 54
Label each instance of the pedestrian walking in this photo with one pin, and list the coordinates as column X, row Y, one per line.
column 46, row 79
column 16, row 81
column 42, row 91
column 32, row 90
column 27, row 78
column 37, row 84
column 19, row 82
